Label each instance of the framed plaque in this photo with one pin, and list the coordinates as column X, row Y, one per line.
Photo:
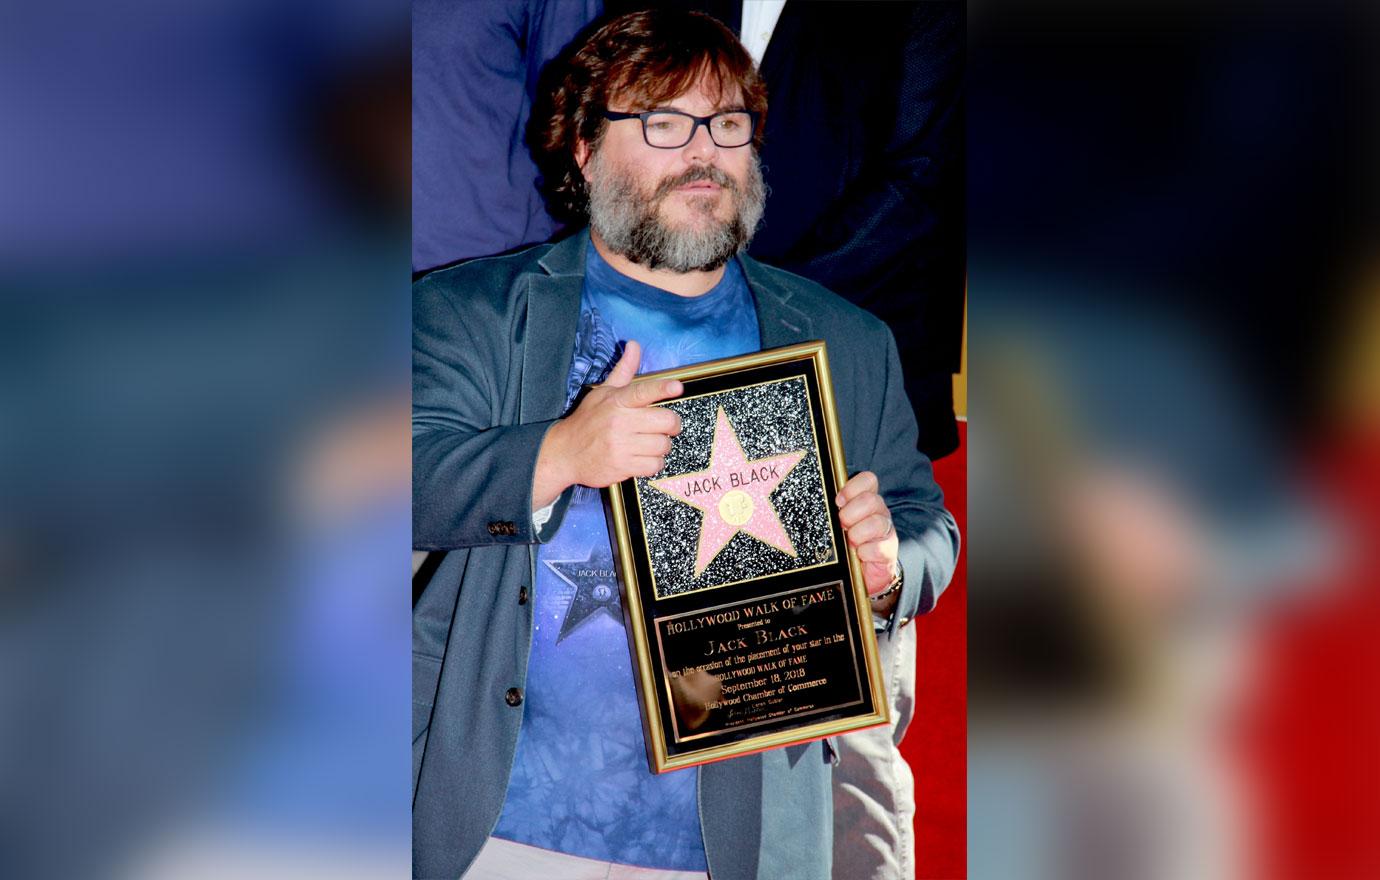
column 745, row 609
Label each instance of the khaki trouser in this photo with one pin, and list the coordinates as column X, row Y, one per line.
column 874, row 791
column 505, row 860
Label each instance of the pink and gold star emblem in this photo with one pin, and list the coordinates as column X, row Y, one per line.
column 733, row 494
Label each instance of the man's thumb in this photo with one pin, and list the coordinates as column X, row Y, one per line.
column 626, row 367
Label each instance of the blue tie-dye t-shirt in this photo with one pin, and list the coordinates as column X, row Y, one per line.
column 580, row 782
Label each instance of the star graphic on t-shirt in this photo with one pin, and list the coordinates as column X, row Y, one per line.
column 596, row 588
column 733, row 494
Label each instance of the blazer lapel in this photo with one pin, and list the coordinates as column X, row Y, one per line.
column 553, row 312
column 778, row 320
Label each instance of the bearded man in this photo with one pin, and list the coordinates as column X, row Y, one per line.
column 528, row 758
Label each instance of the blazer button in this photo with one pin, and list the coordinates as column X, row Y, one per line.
column 493, row 528
column 513, row 697
column 522, row 595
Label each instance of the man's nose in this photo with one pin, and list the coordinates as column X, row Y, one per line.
column 701, row 147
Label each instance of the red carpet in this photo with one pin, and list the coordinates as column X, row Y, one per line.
column 1310, row 734
column 936, row 744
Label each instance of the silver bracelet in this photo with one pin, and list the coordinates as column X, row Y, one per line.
column 895, row 584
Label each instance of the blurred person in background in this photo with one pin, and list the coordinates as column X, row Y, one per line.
column 863, row 159
column 201, row 275
column 512, row 685
column 475, row 72
column 1152, row 253
column 309, row 784
column 1111, row 638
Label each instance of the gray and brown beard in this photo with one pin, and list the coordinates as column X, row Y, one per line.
column 631, row 225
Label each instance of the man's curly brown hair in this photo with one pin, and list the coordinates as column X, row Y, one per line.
column 643, row 60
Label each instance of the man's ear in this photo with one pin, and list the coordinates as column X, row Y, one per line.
column 582, row 153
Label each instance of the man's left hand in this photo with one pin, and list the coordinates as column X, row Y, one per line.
column 867, row 523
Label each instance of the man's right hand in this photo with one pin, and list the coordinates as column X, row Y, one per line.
column 615, row 433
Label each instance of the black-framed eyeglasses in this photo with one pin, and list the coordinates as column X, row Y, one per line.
column 672, row 129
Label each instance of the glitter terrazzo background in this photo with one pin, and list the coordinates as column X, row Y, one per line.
column 769, row 419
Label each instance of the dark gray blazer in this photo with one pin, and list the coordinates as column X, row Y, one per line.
column 492, row 344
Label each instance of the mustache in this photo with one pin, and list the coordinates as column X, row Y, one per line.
column 700, row 172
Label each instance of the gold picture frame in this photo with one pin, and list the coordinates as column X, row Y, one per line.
column 747, row 618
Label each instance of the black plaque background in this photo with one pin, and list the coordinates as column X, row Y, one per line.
column 778, row 409
column 837, row 571
column 783, row 664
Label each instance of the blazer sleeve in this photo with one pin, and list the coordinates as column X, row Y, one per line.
column 929, row 539
column 471, row 468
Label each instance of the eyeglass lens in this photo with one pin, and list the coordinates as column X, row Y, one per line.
column 733, row 129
